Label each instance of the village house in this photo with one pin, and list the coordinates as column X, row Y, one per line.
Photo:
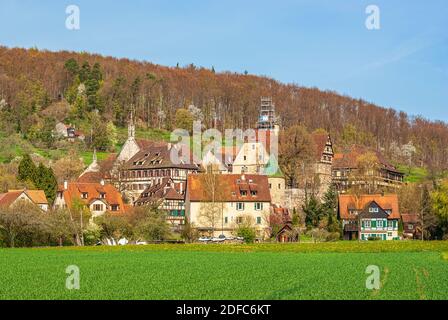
column 68, row 132
column 99, row 198
column 412, row 227
column 169, row 196
column 36, row 197
column 150, row 166
column 235, row 199
column 369, row 216
column 347, row 171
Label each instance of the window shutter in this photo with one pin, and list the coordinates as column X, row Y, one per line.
column 363, row 225
column 373, row 223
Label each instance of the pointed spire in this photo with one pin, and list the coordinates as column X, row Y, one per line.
column 131, row 125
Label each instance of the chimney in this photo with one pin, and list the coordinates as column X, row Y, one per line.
column 243, row 177
column 65, row 184
column 102, row 182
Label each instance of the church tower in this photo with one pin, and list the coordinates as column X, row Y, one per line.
column 130, row 147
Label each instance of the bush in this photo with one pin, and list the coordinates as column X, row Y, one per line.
column 333, row 236
column 248, row 233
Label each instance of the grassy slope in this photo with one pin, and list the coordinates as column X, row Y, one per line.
column 413, row 174
column 410, row 270
column 17, row 146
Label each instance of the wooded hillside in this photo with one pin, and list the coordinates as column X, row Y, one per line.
column 42, row 78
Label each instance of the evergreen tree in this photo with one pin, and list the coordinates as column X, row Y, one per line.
column 329, row 208
column 72, row 67
column 84, row 72
column 96, row 73
column 330, row 201
column 313, row 212
column 27, row 169
column 45, row 180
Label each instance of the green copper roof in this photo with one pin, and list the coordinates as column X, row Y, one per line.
column 272, row 169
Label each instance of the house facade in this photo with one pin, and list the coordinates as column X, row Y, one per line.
column 347, row 172
column 151, row 165
column 367, row 217
column 37, row 197
column 99, row 198
column 412, row 227
column 169, row 196
column 237, row 199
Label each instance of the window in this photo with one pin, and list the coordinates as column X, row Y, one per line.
column 258, row 206
column 226, row 220
column 253, row 193
column 373, row 210
column 279, row 186
column 389, row 234
column 367, row 223
column 85, row 195
column 243, row 193
column 239, row 206
column 390, row 224
column 245, row 158
column 115, row 207
column 97, row 207
column 239, row 220
column 380, row 224
column 102, row 195
column 410, row 226
column 258, row 220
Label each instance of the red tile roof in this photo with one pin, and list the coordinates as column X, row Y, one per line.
column 6, row 199
column 75, row 190
column 37, row 196
column 410, row 217
column 167, row 190
column 386, row 202
column 230, row 187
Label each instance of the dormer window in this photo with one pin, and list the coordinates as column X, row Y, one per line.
column 84, row 195
column 253, row 193
column 102, row 195
column 243, row 193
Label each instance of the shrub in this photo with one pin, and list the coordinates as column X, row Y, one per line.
column 246, row 232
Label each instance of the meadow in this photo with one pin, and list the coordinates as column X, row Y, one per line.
column 409, row 270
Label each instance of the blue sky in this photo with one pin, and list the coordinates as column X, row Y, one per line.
column 321, row 43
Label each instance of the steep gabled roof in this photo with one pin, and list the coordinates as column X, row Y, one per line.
column 76, row 189
column 167, row 190
column 366, row 213
column 410, row 218
column 229, row 187
column 158, row 155
column 348, row 202
column 7, row 199
column 36, row 196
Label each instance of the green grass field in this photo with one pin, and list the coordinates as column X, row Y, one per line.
column 409, row 270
